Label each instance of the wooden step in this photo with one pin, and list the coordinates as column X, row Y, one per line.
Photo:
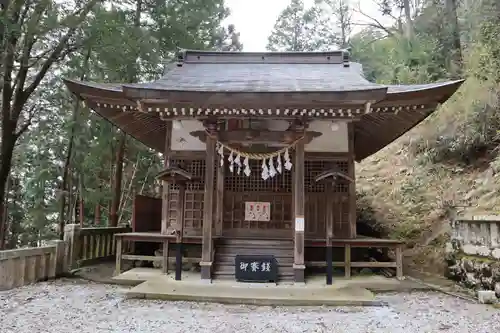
column 255, row 252
column 258, row 242
column 226, row 251
column 256, row 247
column 232, row 255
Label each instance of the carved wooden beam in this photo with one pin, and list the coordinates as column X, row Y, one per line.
column 211, row 126
column 174, row 174
column 298, row 125
column 258, row 137
column 331, row 176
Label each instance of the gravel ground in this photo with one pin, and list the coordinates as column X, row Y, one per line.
column 75, row 306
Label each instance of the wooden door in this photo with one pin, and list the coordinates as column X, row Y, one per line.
column 239, row 188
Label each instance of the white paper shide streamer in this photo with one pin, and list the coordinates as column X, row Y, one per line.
column 247, row 167
column 271, row 164
column 220, row 151
column 230, row 159
column 288, row 164
column 265, row 170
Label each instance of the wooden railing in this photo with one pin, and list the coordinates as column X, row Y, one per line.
column 88, row 246
column 98, row 244
column 364, row 242
column 20, row 267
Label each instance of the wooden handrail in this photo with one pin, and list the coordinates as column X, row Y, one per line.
column 91, row 245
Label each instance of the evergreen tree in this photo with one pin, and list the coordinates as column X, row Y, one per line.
column 302, row 29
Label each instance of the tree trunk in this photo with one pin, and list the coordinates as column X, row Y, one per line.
column 456, row 45
column 97, row 207
column 409, row 22
column 344, row 19
column 5, row 217
column 117, row 183
column 120, row 154
column 15, row 93
column 70, row 196
column 7, row 149
column 129, row 191
column 97, row 214
column 67, row 161
column 81, row 212
column 74, row 199
column 111, row 179
column 15, row 222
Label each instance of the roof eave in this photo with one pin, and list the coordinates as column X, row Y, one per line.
column 82, row 89
column 248, row 99
column 440, row 92
column 431, row 97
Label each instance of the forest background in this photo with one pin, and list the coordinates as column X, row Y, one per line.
column 60, row 163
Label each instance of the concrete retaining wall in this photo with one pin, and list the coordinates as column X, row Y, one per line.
column 473, row 253
column 81, row 246
column 20, row 267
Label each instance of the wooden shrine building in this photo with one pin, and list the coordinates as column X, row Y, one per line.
column 259, row 150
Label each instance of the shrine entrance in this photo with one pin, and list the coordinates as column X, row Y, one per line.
column 251, row 194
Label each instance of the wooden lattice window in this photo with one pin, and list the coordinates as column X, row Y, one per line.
column 234, row 182
column 193, row 210
column 281, row 210
column 315, row 167
column 193, row 200
column 197, row 169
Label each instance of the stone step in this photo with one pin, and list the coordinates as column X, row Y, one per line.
column 229, row 271
column 230, row 259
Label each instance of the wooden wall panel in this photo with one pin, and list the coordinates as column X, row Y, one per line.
column 239, row 188
column 146, row 215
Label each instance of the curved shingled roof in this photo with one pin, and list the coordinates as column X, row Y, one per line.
column 320, row 85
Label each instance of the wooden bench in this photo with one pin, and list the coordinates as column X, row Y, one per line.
column 153, row 237
column 362, row 242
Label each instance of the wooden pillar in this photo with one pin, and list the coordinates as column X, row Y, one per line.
column 165, row 187
column 165, row 218
column 299, row 208
column 347, row 260
column 164, row 266
column 219, row 201
column 329, row 234
column 180, row 231
column 118, row 258
column 352, row 185
column 399, row 262
column 208, row 206
column 72, row 238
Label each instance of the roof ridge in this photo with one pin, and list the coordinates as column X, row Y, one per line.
column 264, row 57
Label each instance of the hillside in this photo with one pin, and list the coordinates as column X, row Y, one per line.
column 445, row 163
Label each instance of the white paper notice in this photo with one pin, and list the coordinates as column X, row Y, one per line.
column 299, row 223
column 257, row 211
